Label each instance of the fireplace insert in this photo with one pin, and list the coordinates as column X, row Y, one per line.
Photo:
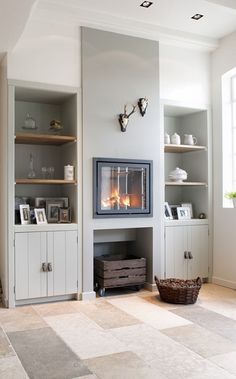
column 122, row 187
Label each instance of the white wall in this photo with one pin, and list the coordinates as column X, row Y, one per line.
column 224, row 264
column 184, row 75
column 49, row 52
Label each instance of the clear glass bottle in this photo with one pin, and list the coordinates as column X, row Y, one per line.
column 31, row 173
column 29, row 123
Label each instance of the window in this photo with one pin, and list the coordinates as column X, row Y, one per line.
column 229, row 134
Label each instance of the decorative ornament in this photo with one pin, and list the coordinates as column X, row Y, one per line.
column 124, row 117
column 143, row 104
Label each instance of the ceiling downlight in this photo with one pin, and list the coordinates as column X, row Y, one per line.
column 197, row 16
column 146, row 4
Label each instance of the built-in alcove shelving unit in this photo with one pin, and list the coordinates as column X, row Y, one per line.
column 44, row 259
column 181, row 236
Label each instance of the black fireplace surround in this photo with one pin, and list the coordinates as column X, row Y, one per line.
column 122, row 188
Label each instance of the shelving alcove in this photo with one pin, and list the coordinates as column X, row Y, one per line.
column 187, row 244
column 44, row 260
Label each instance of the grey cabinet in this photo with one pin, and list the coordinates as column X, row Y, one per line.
column 46, row 264
column 186, row 251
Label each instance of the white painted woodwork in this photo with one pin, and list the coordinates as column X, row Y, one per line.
column 71, row 262
column 181, row 239
column 32, row 249
column 30, row 253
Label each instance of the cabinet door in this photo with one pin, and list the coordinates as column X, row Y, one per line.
column 175, row 247
column 63, row 257
column 30, row 254
column 198, row 246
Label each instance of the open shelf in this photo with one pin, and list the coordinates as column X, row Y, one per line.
column 42, row 139
column 171, row 148
column 45, row 181
column 186, row 184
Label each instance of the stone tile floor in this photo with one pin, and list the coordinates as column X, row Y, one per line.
column 128, row 336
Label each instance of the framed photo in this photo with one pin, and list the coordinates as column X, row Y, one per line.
column 40, row 202
column 173, row 209
column 167, row 212
column 40, row 216
column 188, row 205
column 183, row 213
column 24, row 214
column 53, row 210
column 64, row 215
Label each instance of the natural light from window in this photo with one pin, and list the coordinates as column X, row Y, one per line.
column 229, row 134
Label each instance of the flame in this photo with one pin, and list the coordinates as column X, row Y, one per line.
column 116, row 200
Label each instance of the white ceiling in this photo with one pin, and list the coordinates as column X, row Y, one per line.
column 170, row 16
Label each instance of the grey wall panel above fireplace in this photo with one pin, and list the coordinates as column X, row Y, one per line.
column 118, row 70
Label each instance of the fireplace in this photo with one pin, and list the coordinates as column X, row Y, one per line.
column 122, row 187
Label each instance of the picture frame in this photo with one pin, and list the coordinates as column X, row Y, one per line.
column 190, row 206
column 24, row 214
column 64, row 215
column 183, row 213
column 40, row 216
column 40, row 202
column 52, row 210
column 167, row 211
column 173, row 208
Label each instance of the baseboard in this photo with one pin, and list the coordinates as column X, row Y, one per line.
column 42, row 300
column 224, row 283
column 88, row 295
column 150, row 287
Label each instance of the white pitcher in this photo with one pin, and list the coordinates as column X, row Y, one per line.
column 189, row 139
column 166, row 139
column 175, row 139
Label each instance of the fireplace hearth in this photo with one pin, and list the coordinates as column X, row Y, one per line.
column 122, row 187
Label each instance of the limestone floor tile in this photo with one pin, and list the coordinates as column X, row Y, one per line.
column 22, row 318
column 11, row 368
column 200, row 340
column 92, row 376
column 105, row 314
column 45, row 356
column 126, row 365
column 212, row 321
column 84, row 336
column 226, row 361
column 149, row 313
column 162, row 353
column 224, row 307
column 5, row 346
column 54, row 309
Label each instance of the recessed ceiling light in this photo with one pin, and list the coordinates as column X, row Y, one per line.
column 146, row 4
column 197, row 16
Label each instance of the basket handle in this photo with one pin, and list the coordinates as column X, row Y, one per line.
column 199, row 280
column 156, row 279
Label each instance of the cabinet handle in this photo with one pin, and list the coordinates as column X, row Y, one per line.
column 186, row 255
column 49, row 266
column 44, row 267
column 190, row 255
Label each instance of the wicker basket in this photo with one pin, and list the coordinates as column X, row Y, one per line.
column 178, row 291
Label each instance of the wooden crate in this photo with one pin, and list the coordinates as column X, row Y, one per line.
column 119, row 271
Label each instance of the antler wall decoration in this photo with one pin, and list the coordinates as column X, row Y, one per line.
column 124, row 117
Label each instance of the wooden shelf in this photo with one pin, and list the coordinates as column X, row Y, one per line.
column 171, row 148
column 45, row 181
column 186, row 184
column 42, row 139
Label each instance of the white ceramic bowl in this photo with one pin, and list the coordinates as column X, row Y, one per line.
column 178, row 175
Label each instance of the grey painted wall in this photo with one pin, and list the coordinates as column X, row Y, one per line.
column 117, row 70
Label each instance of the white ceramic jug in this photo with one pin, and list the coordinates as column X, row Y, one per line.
column 189, row 139
column 166, row 138
column 175, row 139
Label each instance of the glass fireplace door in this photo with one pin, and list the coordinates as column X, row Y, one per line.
column 122, row 188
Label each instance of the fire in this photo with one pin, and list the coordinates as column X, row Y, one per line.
column 116, row 200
